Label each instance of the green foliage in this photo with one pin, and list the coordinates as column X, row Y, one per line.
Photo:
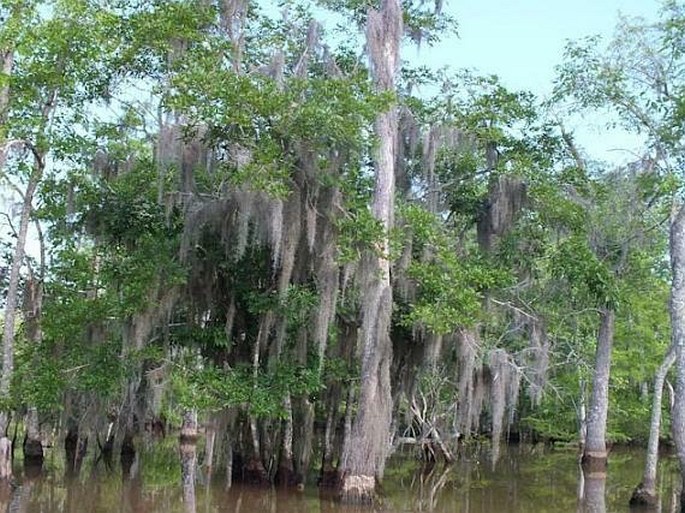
column 586, row 274
column 449, row 285
column 259, row 393
column 113, row 216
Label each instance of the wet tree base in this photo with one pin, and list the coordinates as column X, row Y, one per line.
column 255, row 475
column 358, row 490
column 286, row 477
column 594, row 462
column 33, row 453
column 643, row 498
column 329, row 479
column 75, row 449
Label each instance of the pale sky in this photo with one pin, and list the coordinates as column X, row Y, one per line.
column 522, row 41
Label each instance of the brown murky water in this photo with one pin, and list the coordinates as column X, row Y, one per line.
column 526, row 479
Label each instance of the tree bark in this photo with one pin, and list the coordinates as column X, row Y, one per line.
column 645, row 493
column 677, row 312
column 363, row 461
column 189, row 426
column 11, row 304
column 286, row 468
column 188, row 470
column 210, row 443
column 595, row 450
column 33, row 446
column 33, row 306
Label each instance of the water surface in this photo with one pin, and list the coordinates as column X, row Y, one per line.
column 526, row 479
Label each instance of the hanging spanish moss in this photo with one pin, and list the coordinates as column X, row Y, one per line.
column 506, row 198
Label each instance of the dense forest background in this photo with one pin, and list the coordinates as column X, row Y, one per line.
column 312, row 250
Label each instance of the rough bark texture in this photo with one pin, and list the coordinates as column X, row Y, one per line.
column 645, row 493
column 188, row 469
column 210, row 442
column 11, row 304
column 33, row 305
column 595, row 451
column 364, row 458
column 254, row 472
column 33, row 447
column 5, row 458
column 677, row 311
column 189, row 426
column 286, row 468
column 6, row 65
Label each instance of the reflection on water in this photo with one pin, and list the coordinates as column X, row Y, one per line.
column 593, row 496
column 525, row 479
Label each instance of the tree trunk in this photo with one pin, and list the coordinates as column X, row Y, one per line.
column 33, row 447
column 189, row 426
column 286, row 468
column 254, row 471
column 210, row 443
column 33, row 305
column 229, row 465
column 10, row 317
column 645, row 493
column 582, row 413
column 75, row 448
column 677, row 311
column 7, row 64
column 188, row 469
column 363, row 461
column 595, row 451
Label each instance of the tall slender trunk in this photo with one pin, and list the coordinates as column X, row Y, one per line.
column 286, row 469
column 210, row 443
column 33, row 305
column 677, row 311
column 7, row 58
column 188, row 461
column 363, row 461
column 254, row 472
column 10, row 316
column 645, row 493
column 582, row 413
column 595, row 451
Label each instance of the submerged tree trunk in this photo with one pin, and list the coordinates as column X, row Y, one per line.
column 595, row 450
column 363, row 460
column 645, row 493
column 677, row 311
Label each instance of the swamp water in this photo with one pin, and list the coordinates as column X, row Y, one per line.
column 525, row 479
